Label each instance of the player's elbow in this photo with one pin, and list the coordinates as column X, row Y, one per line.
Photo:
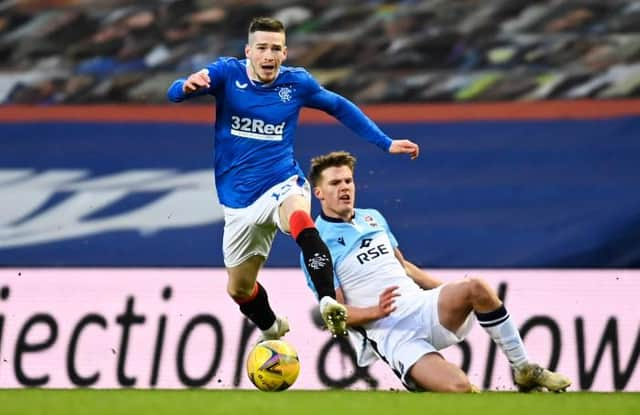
column 175, row 92
column 173, row 97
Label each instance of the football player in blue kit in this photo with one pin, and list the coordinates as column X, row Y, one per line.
column 398, row 312
column 259, row 183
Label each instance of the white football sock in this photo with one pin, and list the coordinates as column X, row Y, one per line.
column 503, row 332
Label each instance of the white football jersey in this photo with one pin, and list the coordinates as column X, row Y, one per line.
column 364, row 265
column 364, row 261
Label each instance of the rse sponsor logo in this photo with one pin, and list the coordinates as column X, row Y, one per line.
column 371, row 253
column 256, row 129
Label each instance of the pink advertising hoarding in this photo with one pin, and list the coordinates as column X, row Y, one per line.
column 176, row 328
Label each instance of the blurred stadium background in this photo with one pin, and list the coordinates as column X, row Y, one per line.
column 527, row 112
column 115, row 51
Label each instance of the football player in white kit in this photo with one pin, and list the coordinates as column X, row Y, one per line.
column 396, row 311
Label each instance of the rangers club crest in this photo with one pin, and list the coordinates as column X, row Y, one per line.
column 318, row 261
column 285, row 94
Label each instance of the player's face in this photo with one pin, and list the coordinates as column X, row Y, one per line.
column 337, row 192
column 265, row 52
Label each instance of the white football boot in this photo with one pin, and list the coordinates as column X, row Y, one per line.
column 278, row 329
column 530, row 377
column 334, row 316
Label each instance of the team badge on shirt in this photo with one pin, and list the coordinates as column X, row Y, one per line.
column 370, row 221
column 285, row 94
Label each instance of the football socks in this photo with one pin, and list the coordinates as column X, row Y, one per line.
column 317, row 260
column 257, row 308
column 504, row 333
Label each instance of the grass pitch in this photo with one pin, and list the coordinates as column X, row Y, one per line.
column 193, row 402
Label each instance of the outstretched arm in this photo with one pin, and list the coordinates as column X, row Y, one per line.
column 357, row 316
column 423, row 279
column 196, row 84
column 351, row 116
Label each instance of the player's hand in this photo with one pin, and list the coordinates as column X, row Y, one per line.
column 387, row 300
column 405, row 147
column 196, row 81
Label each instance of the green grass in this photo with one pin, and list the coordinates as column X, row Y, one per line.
column 192, row 402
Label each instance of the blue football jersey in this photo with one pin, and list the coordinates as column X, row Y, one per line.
column 256, row 124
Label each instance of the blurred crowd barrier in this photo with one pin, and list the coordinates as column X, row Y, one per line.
column 114, row 51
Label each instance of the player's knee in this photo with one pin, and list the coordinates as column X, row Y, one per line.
column 458, row 385
column 461, row 385
column 239, row 293
column 479, row 289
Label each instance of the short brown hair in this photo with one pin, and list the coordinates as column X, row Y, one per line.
column 333, row 159
column 265, row 24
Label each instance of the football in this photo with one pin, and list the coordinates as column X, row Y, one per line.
column 273, row 365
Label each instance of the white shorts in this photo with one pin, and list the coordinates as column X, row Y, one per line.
column 250, row 230
column 404, row 340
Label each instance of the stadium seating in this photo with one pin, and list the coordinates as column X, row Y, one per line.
column 79, row 51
